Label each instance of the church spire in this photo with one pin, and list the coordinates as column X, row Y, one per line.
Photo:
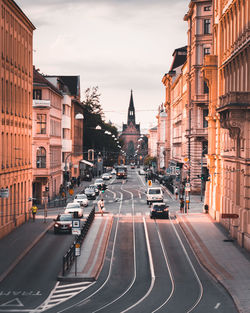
column 131, row 110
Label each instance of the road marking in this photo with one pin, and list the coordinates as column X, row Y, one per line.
column 13, row 302
column 61, row 293
column 217, row 305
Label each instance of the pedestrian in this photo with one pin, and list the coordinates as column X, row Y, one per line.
column 176, row 193
column 34, row 210
column 182, row 205
column 100, row 205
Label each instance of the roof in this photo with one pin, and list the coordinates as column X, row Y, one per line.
column 179, row 57
column 40, row 80
column 73, row 83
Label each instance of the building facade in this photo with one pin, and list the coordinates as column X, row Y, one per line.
column 47, row 140
column 227, row 74
column 161, row 138
column 152, row 142
column 130, row 133
column 72, row 124
column 200, row 21
column 16, row 74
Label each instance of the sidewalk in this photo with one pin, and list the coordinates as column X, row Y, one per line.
column 93, row 250
column 225, row 260
column 19, row 242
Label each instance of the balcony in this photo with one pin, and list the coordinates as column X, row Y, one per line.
column 177, row 140
column 234, row 100
column 41, row 103
column 201, row 98
column 198, row 132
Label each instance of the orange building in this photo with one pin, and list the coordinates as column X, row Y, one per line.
column 16, row 74
column 200, row 20
column 227, row 73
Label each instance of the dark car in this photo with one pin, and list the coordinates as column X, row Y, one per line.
column 94, row 187
column 63, row 223
column 90, row 193
column 159, row 209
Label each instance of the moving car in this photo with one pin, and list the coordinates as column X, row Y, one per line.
column 94, row 187
column 82, row 199
column 63, row 223
column 142, row 172
column 113, row 172
column 105, row 176
column 74, row 208
column 154, row 194
column 90, row 193
column 159, row 209
column 99, row 183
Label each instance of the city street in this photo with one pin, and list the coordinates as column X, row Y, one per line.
column 149, row 265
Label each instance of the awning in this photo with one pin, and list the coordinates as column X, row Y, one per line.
column 87, row 162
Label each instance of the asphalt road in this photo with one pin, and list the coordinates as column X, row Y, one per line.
column 149, row 266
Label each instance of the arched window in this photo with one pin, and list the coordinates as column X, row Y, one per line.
column 41, row 158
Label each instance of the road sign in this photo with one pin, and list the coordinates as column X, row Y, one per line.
column 76, row 230
column 77, row 249
column 149, row 183
column 186, row 166
column 229, row 215
column 185, row 159
column 71, row 192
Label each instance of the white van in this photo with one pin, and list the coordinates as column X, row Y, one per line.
column 154, row 194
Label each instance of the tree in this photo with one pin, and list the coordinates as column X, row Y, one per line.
column 94, row 138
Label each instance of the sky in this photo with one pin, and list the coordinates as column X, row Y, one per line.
column 117, row 45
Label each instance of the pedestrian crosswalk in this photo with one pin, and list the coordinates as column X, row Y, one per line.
column 61, row 293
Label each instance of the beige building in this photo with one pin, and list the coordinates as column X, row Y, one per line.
column 161, row 138
column 16, row 74
column 227, row 73
column 175, row 82
column 47, row 139
column 152, row 142
column 200, row 20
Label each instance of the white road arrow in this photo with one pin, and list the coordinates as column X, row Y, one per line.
column 13, row 302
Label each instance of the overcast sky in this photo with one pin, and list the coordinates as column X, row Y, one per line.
column 117, row 45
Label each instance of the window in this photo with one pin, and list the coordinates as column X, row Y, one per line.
column 204, row 148
column 205, row 114
column 207, row 26
column 206, row 51
column 205, row 88
column 41, row 158
column 37, row 94
column 41, row 124
column 64, row 107
column 208, row 8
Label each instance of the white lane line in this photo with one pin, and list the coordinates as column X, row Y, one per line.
column 74, row 284
column 217, row 305
column 192, row 267
column 151, row 265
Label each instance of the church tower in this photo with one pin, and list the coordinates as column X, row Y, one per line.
column 130, row 132
column 131, row 110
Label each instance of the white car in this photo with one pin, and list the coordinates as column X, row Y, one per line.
column 154, row 194
column 73, row 207
column 105, row 176
column 82, row 199
column 113, row 172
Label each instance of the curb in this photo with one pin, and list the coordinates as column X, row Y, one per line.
column 99, row 262
column 197, row 251
column 22, row 255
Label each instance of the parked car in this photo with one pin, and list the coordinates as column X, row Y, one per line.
column 159, row 209
column 90, row 193
column 63, row 223
column 94, row 187
column 82, row 199
column 105, row 176
column 74, row 208
column 99, row 183
column 154, row 194
column 113, row 172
